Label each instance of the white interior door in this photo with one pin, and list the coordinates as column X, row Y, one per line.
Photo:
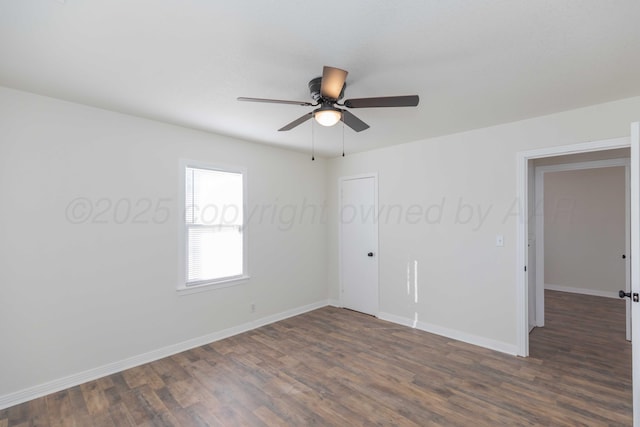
column 635, row 268
column 359, row 244
column 531, row 280
column 627, row 251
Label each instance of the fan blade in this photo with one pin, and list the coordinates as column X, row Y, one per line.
column 385, row 101
column 332, row 82
column 296, row 122
column 353, row 122
column 276, row 101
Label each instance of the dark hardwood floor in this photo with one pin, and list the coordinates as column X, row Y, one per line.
column 338, row 367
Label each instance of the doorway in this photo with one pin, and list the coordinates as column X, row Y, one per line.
column 358, row 229
column 581, row 226
column 522, row 285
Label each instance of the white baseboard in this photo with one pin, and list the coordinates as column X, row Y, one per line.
column 451, row 333
column 40, row 390
column 335, row 303
column 593, row 292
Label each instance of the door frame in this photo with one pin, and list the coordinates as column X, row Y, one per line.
column 539, row 216
column 341, row 180
column 522, row 167
column 634, row 172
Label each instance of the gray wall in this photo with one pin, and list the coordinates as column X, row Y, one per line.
column 584, row 229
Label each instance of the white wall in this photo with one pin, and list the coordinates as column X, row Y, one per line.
column 74, row 297
column 467, row 285
column 584, row 229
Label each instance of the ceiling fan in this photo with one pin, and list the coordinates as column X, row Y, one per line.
column 326, row 91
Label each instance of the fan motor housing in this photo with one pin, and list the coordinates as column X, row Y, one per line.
column 314, row 88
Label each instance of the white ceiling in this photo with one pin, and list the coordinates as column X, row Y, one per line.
column 473, row 63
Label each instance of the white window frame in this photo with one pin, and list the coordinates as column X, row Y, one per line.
column 183, row 286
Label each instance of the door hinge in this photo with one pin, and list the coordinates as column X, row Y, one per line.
column 525, row 268
column 636, row 297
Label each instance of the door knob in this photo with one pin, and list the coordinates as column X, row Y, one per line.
column 636, row 295
column 370, row 254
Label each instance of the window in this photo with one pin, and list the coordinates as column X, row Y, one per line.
column 214, row 242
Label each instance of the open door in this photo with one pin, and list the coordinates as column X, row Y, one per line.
column 627, row 252
column 634, row 257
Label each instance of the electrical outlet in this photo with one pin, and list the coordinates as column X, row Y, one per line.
column 253, row 307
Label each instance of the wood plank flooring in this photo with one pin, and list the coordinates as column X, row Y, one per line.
column 341, row 368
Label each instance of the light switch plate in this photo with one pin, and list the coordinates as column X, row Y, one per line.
column 499, row 240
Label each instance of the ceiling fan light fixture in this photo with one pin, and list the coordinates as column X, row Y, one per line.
column 327, row 115
column 326, row 91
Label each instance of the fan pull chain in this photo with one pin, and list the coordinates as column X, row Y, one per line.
column 313, row 150
column 343, row 138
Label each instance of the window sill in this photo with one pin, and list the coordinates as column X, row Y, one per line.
column 204, row 287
